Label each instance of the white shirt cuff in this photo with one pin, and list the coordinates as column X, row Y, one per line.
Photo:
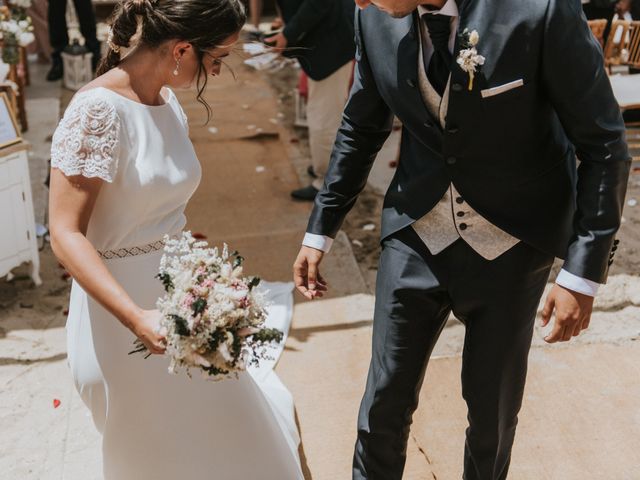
column 319, row 242
column 577, row 284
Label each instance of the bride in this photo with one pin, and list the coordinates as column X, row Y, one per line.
column 123, row 169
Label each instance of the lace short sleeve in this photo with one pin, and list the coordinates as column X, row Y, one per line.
column 86, row 141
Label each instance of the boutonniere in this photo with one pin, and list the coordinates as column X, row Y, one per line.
column 469, row 59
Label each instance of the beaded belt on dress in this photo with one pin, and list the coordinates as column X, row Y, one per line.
column 132, row 251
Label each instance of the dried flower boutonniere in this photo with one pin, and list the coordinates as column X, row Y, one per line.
column 469, row 59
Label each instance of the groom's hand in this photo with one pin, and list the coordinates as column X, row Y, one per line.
column 306, row 273
column 572, row 312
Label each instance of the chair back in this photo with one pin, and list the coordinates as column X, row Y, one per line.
column 597, row 28
column 623, row 44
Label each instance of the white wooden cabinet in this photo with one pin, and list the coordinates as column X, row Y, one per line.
column 18, row 243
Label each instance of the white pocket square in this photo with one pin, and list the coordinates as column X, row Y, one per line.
column 490, row 92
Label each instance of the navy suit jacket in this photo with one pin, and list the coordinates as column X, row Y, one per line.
column 512, row 155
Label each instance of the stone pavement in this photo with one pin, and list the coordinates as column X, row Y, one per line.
column 580, row 419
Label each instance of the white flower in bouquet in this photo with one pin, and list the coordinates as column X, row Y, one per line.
column 213, row 315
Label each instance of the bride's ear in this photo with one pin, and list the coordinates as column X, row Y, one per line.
column 181, row 48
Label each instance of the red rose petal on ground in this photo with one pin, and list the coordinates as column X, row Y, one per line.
column 65, row 276
column 199, row 236
column 65, row 312
column 56, row 403
column 393, row 164
column 294, row 140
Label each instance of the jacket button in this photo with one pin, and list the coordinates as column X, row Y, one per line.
column 411, row 83
column 451, row 160
column 614, row 248
column 460, row 214
column 456, row 87
column 459, row 200
column 463, row 226
column 616, row 241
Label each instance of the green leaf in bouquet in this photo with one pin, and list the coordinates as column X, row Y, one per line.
column 237, row 262
column 268, row 335
column 254, row 282
column 217, row 337
column 182, row 327
column 165, row 278
column 199, row 306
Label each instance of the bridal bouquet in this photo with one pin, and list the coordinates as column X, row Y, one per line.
column 213, row 316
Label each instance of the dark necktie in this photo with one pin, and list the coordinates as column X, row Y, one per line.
column 439, row 28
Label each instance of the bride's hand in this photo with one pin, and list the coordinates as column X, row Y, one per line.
column 147, row 329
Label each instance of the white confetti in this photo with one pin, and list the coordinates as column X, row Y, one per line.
column 260, row 169
column 358, row 243
column 369, row 227
column 632, row 202
column 213, row 130
column 251, row 127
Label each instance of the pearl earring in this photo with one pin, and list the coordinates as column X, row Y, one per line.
column 176, row 72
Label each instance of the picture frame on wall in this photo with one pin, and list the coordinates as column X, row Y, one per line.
column 9, row 130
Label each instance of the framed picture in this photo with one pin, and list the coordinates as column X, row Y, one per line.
column 9, row 130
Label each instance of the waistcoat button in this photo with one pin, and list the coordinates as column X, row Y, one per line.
column 451, row 160
column 463, row 226
column 456, row 87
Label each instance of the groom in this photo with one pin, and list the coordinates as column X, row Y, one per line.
column 486, row 194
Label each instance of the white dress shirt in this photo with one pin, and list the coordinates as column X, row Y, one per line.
column 439, row 228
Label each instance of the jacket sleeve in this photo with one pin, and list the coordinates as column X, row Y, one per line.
column 310, row 14
column 575, row 78
column 366, row 124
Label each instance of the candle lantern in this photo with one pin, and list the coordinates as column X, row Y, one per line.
column 77, row 66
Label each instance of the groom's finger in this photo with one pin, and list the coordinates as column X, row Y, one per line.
column 312, row 275
column 300, row 280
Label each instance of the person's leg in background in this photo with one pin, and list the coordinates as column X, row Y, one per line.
column 87, row 19
column 58, row 36
column 324, row 113
column 38, row 11
column 255, row 9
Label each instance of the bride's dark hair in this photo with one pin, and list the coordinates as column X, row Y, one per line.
column 205, row 24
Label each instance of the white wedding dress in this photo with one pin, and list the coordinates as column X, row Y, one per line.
column 156, row 426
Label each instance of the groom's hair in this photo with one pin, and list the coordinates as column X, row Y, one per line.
column 205, row 24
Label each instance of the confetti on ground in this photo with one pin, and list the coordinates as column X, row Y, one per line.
column 273, row 120
column 358, row 243
column 393, row 164
column 213, row 130
column 65, row 276
column 632, row 202
column 260, row 169
column 369, row 227
column 199, row 236
column 245, row 107
column 280, row 115
column 251, row 127
column 56, row 403
column 65, row 312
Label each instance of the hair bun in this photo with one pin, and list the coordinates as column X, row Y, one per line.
column 140, row 7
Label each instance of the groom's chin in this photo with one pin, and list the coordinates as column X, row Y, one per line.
column 395, row 14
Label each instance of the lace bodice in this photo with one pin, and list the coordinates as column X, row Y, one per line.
column 143, row 154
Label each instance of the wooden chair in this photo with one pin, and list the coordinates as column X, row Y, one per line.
column 623, row 44
column 597, row 28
